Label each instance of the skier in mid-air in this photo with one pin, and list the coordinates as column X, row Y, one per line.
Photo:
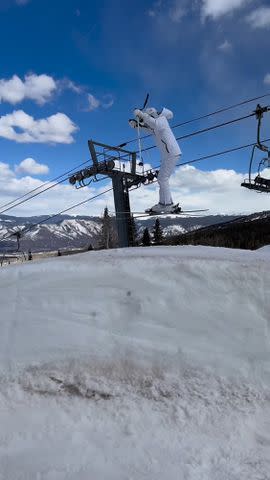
column 157, row 124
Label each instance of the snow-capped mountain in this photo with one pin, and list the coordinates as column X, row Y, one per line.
column 64, row 231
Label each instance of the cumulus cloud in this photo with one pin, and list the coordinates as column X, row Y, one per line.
column 23, row 128
column 5, row 171
column 259, row 18
column 59, row 198
column 218, row 190
column 39, row 88
column 217, row 8
column 29, row 165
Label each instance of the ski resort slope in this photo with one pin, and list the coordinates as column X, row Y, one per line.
column 150, row 363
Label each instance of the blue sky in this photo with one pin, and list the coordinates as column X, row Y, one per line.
column 79, row 68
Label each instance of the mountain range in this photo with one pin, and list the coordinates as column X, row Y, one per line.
column 65, row 232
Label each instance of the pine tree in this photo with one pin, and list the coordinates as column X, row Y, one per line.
column 146, row 238
column 158, row 233
column 107, row 236
column 133, row 232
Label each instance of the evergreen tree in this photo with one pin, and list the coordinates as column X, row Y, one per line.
column 133, row 232
column 158, row 233
column 146, row 238
column 107, row 236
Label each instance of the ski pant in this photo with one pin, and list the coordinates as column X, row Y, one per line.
column 167, row 167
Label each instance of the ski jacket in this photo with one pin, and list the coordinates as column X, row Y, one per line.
column 161, row 129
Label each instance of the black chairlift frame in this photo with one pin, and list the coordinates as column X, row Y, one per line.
column 110, row 161
column 259, row 184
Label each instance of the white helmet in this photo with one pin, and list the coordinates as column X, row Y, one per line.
column 165, row 112
column 152, row 112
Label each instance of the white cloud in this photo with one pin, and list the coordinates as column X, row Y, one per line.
column 23, row 128
column 29, row 165
column 52, row 201
column 218, row 190
column 5, row 172
column 267, row 79
column 107, row 102
column 217, row 8
column 39, row 88
column 259, row 18
column 225, row 47
column 67, row 84
column 93, row 102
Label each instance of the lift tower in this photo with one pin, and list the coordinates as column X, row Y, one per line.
column 120, row 165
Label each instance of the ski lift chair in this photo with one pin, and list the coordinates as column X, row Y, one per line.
column 260, row 184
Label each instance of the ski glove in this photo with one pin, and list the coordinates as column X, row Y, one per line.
column 134, row 123
column 137, row 112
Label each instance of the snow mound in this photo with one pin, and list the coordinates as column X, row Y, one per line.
column 140, row 363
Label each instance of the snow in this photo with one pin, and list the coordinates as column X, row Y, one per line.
column 145, row 363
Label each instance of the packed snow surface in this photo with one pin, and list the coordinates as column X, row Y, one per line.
column 150, row 363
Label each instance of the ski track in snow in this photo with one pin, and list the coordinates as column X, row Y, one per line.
column 139, row 364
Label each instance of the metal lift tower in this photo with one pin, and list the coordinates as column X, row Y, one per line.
column 120, row 165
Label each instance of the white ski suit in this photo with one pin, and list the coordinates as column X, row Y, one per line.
column 170, row 151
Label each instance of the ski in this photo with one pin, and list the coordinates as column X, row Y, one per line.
column 177, row 211
column 166, row 214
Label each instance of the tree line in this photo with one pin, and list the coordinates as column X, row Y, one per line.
column 241, row 234
column 108, row 235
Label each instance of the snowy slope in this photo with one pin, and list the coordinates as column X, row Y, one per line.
column 136, row 364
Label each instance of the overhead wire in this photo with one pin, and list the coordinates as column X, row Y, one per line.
column 16, row 202
column 213, row 155
column 207, row 115
column 43, row 185
column 20, row 200
column 205, row 130
column 27, row 229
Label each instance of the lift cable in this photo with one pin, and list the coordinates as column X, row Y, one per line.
column 208, row 115
column 28, row 229
column 43, row 185
column 208, row 129
column 16, row 202
column 143, row 150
